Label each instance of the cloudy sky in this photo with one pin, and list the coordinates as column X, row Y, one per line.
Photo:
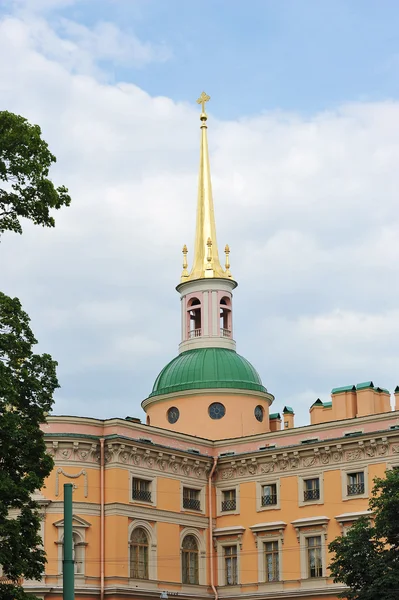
column 304, row 141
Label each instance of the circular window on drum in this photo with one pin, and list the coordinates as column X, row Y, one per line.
column 259, row 413
column 216, row 410
column 173, row 414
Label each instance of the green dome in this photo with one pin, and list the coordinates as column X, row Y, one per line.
column 205, row 368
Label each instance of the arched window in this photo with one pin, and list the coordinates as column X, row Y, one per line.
column 190, row 560
column 139, row 554
column 225, row 317
column 78, row 553
column 194, row 318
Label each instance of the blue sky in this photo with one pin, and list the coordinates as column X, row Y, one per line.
column 304, row 144
column 260, row 55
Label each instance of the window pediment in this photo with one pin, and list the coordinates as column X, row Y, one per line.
column 234, row 530
column 271, row 526
column 77, row 523
column 353, row 516
column 311, row 523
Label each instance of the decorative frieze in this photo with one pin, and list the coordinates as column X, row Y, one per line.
column 306, row 458
column 115, row 453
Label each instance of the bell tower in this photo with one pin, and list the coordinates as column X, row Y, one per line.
column 206, row 290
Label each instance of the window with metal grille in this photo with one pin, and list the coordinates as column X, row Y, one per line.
column 141, row 489
column 269, row 494
column 355, row 483
column 311, row 489
column 139, row 554
column 229, row 500
column 190, row 560
column 271, row 561
column 315, row 564
column 230, row 565
column 191, row 499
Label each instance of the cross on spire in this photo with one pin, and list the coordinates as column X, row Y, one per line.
column 202, row 99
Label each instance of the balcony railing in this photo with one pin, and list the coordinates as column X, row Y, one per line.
column 355, row 488
column 229, row 505
column 270, row 499
column 194, row 333
column 144, row 495
column 191, row 503
column 311, row 495
column 225, row 332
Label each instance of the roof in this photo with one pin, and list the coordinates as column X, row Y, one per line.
column 207, row 368
column 288, row 409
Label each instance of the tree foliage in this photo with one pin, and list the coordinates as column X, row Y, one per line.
column 367, row 558
column 27, row 384
column 25, row 160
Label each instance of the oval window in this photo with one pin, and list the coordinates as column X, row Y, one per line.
column 173, row 414
column 259, row 412
column 216, row 410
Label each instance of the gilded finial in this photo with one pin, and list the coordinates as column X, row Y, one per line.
column 227, row 263
column 201, row 100
column 184, row 274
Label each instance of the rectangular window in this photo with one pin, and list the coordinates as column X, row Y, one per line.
column 271, row 561
column 269, row 494
column 141, row 489
column 191, row 499
column 229, row 500
column 311, row 489
column 355, row 483
column 230, row 565
column 315, row 565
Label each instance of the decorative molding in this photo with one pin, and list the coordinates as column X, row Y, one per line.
column 304, row 458
column 60, row 471
column 267, row 528
column 149, row 513
column 311, row 523
column 233, row 531
column 169, row 463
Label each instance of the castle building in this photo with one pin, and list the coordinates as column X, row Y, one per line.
column 215, row 496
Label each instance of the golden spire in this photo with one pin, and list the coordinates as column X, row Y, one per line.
column 206, row 257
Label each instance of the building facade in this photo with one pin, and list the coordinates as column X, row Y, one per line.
column 214, row 495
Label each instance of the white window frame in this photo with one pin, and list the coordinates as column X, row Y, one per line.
column 306, row 528
column 228, row 536
column 344, row 481
column 79, row 527
column 219, row 499
column 268, row 532
column 259, row 485
column 303, row 541
column 152, row 547
column 301, row 488
column 202, row 499
column 262, row 567
column 199, row 536
column 153, row 489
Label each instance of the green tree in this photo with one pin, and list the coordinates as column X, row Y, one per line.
column 366, row 560
column 27, row 384
column 25, row 160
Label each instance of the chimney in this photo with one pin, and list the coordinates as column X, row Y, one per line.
column 275, row 422
column 397, row 397
column 288, row 415
column 316, row 412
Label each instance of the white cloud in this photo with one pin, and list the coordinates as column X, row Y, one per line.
column 308, row 206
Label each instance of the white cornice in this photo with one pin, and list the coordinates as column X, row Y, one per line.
column 208, row 392
column 310, row 521
column 232, row 530
column 268, row 526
